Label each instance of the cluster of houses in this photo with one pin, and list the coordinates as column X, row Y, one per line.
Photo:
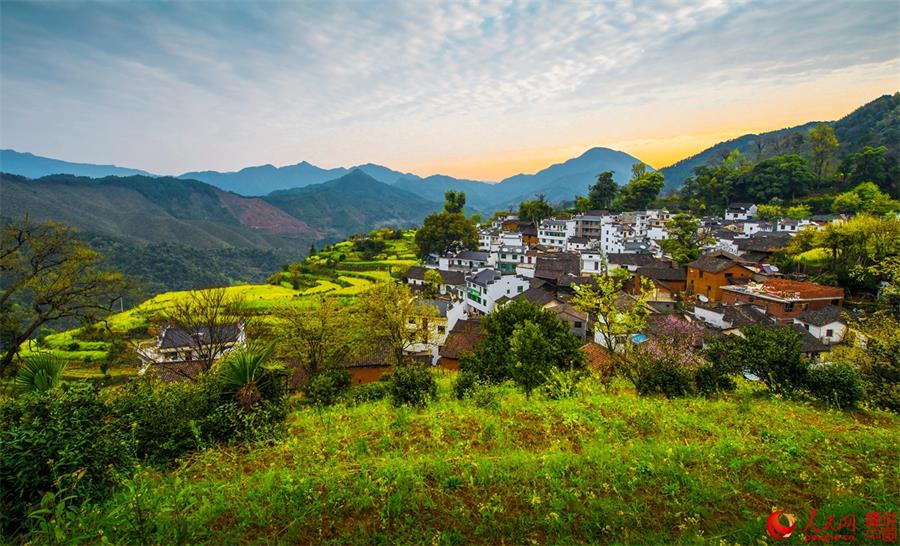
column 733, row 283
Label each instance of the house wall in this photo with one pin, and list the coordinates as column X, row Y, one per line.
column 838, row 331
column 710, row 284
column 782, row 312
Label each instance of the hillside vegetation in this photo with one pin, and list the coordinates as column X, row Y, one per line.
column 596, row 468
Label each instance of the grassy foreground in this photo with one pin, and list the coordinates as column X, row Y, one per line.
column 597, row 468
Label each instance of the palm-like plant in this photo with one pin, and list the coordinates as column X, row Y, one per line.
column 40, row 372
column 248, row 373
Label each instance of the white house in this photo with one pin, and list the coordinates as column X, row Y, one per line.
column 509, row 258
column 488, row 239
column 552, row 232
column 826, row 324
column 740, row 211
column 576, row 243
column 592, row 262
column 485, row 287
column 466, row 260
column 438, row 320
column 789, row 225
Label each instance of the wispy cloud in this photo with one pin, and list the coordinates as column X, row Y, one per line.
column 171, row 87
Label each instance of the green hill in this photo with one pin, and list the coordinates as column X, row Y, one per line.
column 876, row 123
column 599, row 468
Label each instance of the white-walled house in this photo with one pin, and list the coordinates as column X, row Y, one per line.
column 488, row 239
column 592, row 262
column 555, row 233
column 740, row 211
column 467, row 260
column 509, row 258
column 576, row 243
column 789, row 225
column 485, row 287
column 439, row 319
column 826, row 324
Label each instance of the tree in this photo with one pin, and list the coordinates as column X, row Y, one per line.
column 210, row 317
column 798, row 212
column 536, row 210
column 865, row 197
column 875, row 352
column 391, row 316
column 454, row 201
column 317, row 338
column 685, row 238
column 433, row 282
column 46, row 275
column 823, row 147
column 444, row 232
column 532, row 354
column 783, row 177
column 641, row 190
column 582, row 204
column 494, row 359
column 710, row 188
column 769, row 212
column 602, row 194
column 773, row 355
column 873, row 164
column 617, row 315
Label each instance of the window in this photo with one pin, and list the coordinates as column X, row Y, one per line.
column 441, row 329
column 701, row 273
column 829, row 332
column 789, row 306
column 577, row 324
column 520, row 290
column 835, row 302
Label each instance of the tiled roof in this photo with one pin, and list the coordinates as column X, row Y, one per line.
column 174, row 337
column 765, row 241
column 823, row 316
column 417, row 272
column 744, row 315
column 485, row 277
column 539, row 295
column 473, row 255
column 663, row 273
column 642, row 260
column 463, row 337
column 717, row 262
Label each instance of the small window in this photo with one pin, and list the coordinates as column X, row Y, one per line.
column 829, row 332
column 789, row 306
column 577, row 324
column 520, row 289
column 835, row 302
column 441, row 329
column 701, row 273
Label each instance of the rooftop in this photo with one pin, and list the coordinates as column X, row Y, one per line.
column 823, row 316
column 463, row 337
column 788, row 290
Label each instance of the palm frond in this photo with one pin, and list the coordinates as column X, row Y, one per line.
column 40, row 372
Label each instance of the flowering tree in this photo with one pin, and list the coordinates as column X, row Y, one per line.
column 668, row 363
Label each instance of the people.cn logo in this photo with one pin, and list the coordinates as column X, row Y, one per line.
column 776, row 529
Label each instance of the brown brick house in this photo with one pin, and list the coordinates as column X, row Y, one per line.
column 784, row 299
column 709, row 273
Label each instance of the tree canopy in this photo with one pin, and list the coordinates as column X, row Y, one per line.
column 641, row 190
column 443, row 232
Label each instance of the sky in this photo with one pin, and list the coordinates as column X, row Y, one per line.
column 475, row 90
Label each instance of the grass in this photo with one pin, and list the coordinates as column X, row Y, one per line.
column 598, row 468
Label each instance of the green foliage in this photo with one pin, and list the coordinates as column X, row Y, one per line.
column 454, row 201
column 369, row 248
column 250, row 377
column 561, row 384
column 773, row 355
column 872, row 164
column 40, row 372
column 326, row 386
column 535, row 210
column 709, row 189
column 769, row 212
column 685, row 239
column 823, row 147
column 603, row 193
column 445, row 231
column 545, row 343
column 836, row 383
column 641, row 190
column 865, row 197
column 412, row 385
column 781, row 177
column 798, row 212
column 60, row 439
column 370, row 392
column 877, row 358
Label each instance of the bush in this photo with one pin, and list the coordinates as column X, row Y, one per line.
column 465, row 384
column 561, row 384
column 370, row 392
column 325, row 387
column 61, row 439
column 670, row 377
column 412, row 385
column 74, row 346
column 836, row 383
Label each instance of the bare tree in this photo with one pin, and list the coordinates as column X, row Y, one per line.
column 214, row 320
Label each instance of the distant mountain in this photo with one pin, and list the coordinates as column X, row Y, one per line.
column 264, row 179
column 876, row 123
column 35, row 166
column 559, row 182
column 353, row 203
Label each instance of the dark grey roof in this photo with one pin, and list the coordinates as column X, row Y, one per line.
column 744, row 315
column 740, row 206
column 823, row 316
column 417, row 272
column 473, row 255
column 663, row 273
column 441, row 305
column 552, row 266
column 764, row 241
column 755, row 256
column 581, row 240
column 641, row 260
column 541, row 295
column 485, row 277
column 717, row 261
column 174, row 337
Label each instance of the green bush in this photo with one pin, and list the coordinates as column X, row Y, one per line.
column 668, row 377
column 325, row 387
column 464, row 384
column 560, row 384
column 836, row 383
column 370, row 392
column 412, row 385
column 61, row 439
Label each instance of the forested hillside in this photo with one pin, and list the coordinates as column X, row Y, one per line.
column 874, row 124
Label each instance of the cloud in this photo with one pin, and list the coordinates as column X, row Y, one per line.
column 171, row 87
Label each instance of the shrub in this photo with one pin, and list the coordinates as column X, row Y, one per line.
column 325, row 387
column 370, row 392
column 40, row 372
column 250, row 376
column 836, row 383
column 61, row 439
column 412, row 385
column 487, row 396
column 772, row 354
column 74, row 346
column 561, row 384
column 663, row 374
column 464, row 384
